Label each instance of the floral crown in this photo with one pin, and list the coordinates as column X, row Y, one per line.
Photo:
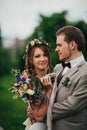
column 35, row 43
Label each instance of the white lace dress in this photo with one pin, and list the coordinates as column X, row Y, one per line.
column 35, row 126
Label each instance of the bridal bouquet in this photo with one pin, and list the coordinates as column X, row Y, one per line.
column 28, row 89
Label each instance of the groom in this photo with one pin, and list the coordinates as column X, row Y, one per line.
column 69, row 110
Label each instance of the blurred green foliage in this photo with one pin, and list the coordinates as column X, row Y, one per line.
column 12, row 112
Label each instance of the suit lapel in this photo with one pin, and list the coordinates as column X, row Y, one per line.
column 70, row 73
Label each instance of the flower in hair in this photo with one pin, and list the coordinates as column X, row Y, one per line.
column 32, row 43
column 26, row 48
column 36, row 42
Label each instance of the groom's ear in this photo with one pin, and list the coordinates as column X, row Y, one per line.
column 73, row 45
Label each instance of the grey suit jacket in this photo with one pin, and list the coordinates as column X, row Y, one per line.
column 70, row 106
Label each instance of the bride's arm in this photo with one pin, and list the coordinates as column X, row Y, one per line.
column 39, row 112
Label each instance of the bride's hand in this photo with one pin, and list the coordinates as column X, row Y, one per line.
column 29, row 112
column 46, row 81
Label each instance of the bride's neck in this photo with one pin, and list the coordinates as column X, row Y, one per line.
column 40, row 73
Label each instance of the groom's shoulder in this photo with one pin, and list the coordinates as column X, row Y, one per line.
column 83, row 65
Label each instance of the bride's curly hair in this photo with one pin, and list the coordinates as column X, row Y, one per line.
column 30, row 48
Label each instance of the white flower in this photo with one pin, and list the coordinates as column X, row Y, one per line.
column 28, row 80
column 15, row 84
column 32, row 43
column 30, row 92
column 26, row 48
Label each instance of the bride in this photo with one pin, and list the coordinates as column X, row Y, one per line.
column 38, row 64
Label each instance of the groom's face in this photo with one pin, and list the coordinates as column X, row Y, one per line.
column 63, row 48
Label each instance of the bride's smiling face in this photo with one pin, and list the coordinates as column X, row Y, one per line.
column 40, row 59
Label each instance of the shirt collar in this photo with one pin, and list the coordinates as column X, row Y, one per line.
column 76, row 61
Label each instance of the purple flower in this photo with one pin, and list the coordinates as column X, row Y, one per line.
column 17, row 78
column 24, row 96
column 23, row 79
